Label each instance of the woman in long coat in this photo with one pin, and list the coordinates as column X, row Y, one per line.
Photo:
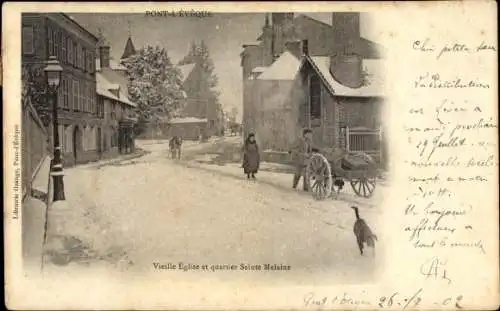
column 251, row 156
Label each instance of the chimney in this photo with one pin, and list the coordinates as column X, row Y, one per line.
column 294, row 47
column 305, row 47
column 281, row 23
column 104, row 56
column 346, row 29
column 347, row 69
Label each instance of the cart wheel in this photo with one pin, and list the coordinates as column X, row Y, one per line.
column 319, row 176
column 364, row 186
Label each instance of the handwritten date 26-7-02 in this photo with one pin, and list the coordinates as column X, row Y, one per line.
column 395, row 301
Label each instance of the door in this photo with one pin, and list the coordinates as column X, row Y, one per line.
column 77, row 141
column 98, row 141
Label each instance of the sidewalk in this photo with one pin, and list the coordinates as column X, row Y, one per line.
column 138, row 153
column 73, row 224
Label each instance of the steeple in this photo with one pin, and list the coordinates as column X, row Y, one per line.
column 129, row 46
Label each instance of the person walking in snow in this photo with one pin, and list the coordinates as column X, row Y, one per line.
column 251, row 156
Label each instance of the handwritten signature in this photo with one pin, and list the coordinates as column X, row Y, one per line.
column 435, row 268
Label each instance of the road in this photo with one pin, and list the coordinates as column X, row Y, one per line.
column 133, row 214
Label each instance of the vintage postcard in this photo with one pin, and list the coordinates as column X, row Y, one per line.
column 255, row 155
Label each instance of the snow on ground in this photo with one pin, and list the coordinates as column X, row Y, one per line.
column 154, row 209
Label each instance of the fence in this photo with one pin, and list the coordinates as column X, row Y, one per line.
column 35, row 144
column 365, row 140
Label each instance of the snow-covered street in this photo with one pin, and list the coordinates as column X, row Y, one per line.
column 129, row 215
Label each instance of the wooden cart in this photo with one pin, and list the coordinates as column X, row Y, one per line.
column 333, row 167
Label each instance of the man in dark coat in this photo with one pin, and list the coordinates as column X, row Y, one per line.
column 301, row 151
column 251, row 156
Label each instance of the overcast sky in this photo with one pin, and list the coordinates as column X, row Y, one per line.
column 223, row 33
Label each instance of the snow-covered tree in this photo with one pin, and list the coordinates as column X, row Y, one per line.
column 154, row 84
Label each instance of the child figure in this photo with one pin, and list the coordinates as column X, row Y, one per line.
column 251, row 156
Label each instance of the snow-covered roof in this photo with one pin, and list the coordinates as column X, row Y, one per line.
column 186, row 70
column 284, row 68
column 103, row 87
column 112, row 64
column 372, row 67
column 187, row 120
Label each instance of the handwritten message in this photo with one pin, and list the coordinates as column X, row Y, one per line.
column 451, row 153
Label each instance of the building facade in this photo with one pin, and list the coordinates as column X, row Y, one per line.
column 188, row 128
column 310, row 80
column 116, row 111
column 56, row 34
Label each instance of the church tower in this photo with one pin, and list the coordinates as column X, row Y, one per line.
column 129, row 46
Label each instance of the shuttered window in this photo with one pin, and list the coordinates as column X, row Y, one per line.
column 50, row 41
column 63, row 48
column 76, row 103
column 28, row 38
column 70, row 51
column 57, row 36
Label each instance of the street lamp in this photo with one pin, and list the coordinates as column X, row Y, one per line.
column 53, row 72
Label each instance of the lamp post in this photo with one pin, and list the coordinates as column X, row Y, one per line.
column 53, row 72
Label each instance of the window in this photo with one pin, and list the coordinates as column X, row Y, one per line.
column 80, row 97
column 80, row 56
column 63, row 48
column 92, row 99
column 66, row 93
column 76, row 104
column 61, row 137
column 84, row 59
column 92, row 62
column 315, row 97
column 28, row 39
column 100, row 106
column 56, row 43
column 89, row 62
column 50, row 41
column 70, row 93
column 60, row 92
column 87, row 96
column 70, row 51
column 75, row 55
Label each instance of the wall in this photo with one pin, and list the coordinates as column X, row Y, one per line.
column 360, row 112
column 276, row 103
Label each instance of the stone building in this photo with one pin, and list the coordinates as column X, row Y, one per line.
column 57, row 34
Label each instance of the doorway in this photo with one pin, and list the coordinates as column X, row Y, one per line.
column 77, row 142
column 98, row 141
